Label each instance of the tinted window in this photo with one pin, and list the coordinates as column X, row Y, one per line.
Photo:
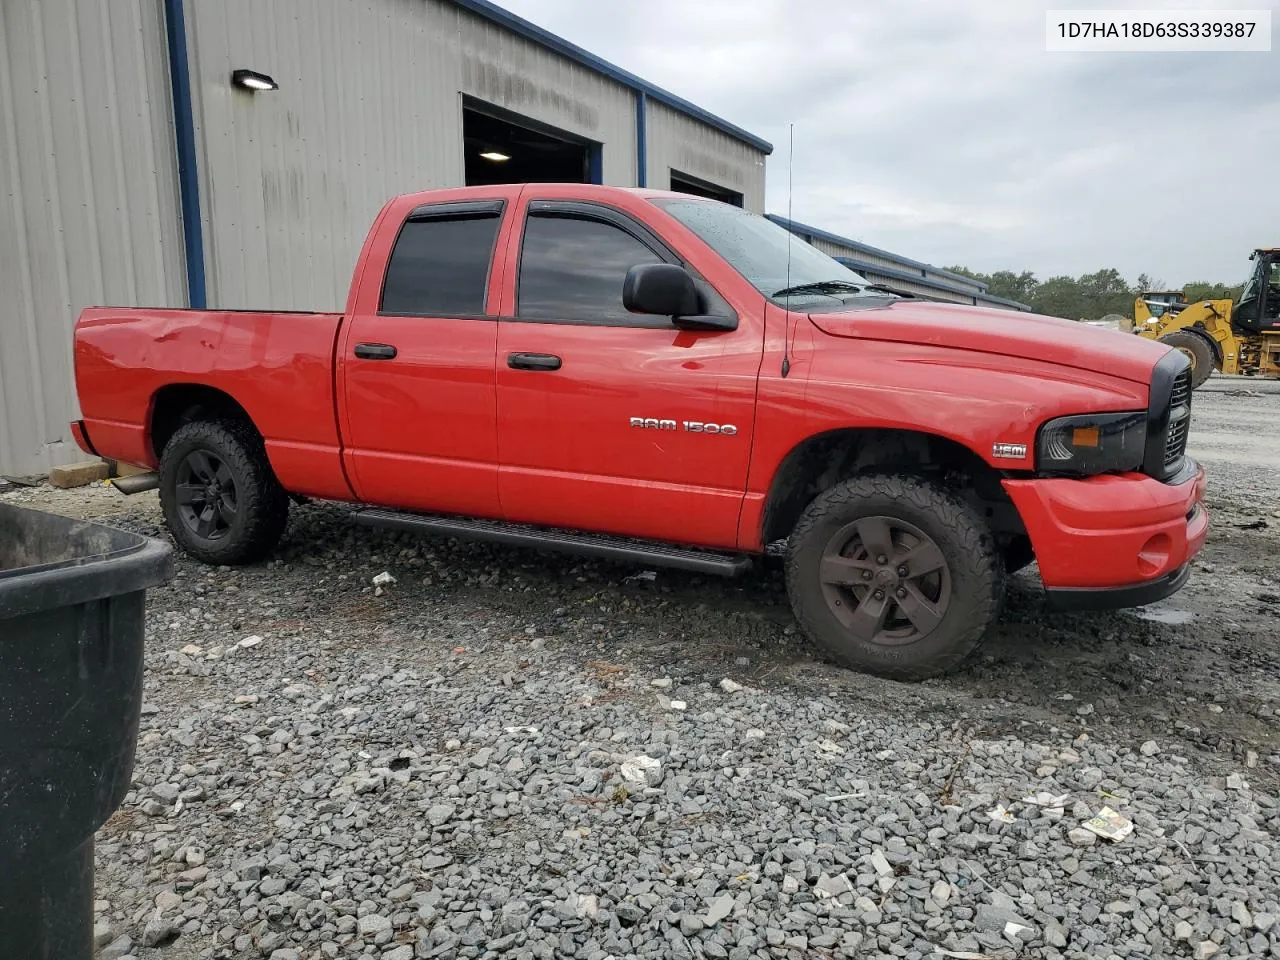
column 572, row 269
column 440, row 266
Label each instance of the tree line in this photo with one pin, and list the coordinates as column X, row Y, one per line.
column 1090, row 296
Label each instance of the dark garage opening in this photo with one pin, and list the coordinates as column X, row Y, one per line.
column 503, row 147
column 683, row 183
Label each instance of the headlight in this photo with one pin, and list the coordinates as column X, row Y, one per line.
column 1092, row 443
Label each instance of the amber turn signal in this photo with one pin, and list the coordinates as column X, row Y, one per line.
column 1086, row 437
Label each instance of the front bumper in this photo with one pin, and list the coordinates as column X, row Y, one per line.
column 1113, row 598
column 1113, row 541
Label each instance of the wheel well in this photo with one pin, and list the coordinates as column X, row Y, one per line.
column 182, row 403
column 822, row 461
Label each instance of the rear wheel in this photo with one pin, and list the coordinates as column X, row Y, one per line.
column 1197, row 349
column 893, row 576
column 221, row 500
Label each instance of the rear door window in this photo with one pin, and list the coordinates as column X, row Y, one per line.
column 440, row 263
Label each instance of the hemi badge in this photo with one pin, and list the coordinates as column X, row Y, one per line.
column 1009, row 451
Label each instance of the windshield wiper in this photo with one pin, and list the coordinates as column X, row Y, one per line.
column 820, row 286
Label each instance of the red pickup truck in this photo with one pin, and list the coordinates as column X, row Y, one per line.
column 662, row 378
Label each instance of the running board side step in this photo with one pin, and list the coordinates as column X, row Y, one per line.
column 561, row 541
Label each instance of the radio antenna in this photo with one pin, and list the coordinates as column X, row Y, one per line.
column 786, row 329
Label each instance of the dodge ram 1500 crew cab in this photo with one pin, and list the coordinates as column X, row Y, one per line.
column 654, row 376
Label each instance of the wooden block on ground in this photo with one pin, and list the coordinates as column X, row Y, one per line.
column 78, row 474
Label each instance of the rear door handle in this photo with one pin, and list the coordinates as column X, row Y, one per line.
column 375, row 351
column 533, row 361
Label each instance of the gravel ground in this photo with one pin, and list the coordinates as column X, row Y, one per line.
column 446, row 766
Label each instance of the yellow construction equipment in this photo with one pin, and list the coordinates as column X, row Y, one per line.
column 1234, row 338
column 1155, row 303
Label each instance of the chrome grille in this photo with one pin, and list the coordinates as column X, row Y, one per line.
column 1175, row 444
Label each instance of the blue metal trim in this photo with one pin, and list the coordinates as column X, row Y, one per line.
column 185, row 134
column 873, row 270
column 595, row 159
column 642, row 141
column 796, row 227
column 505, row 18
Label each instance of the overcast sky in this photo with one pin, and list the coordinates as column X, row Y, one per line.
column 943, row 130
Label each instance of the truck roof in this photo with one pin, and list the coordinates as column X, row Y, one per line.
column 585, row 190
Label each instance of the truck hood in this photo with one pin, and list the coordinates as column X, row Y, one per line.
column 1006, row 333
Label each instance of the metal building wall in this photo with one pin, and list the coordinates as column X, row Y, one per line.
column 88, row 199
column 676, row 141
column 955, row 280
column 932, row 293
column 840, row 250
column 507, row 70
column 833, row 249
column 369, row 106
column 952, row 279
column 932, row 289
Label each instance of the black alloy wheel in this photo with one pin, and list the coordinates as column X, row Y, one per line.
column 885, row 580
column 206, row 495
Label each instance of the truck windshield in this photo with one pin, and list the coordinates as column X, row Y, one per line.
column 758, row 249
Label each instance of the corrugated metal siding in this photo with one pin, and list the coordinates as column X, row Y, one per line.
column 517, row 74
column 833, row 249
column 679, row 142
column 829, row 248
column 369, row 106
column 932, row 293
column 89, row 207
column 840, row 250
column 954, row 280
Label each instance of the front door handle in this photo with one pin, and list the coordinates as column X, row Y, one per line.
column 533, row 361
column 375, row 351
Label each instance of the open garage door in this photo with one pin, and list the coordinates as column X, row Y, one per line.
column 683, row 183
column 503, row 147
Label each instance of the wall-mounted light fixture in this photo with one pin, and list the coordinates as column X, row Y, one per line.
column 252, row 80
column 495, row 156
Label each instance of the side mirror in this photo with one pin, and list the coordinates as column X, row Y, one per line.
column 670, row 291
column 660, row 288
column 704, row 321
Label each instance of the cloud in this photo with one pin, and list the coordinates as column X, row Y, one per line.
column 946, row 132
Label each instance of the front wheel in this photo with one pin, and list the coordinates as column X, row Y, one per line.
column 221, row 500
column 893, row 576
column 1196, row 349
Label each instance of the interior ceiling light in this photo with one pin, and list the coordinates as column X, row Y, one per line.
column 252, row 80
column 495, row 156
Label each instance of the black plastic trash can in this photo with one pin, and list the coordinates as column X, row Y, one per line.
column 71, row 627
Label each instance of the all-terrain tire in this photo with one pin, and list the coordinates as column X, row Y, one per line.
column 1197, row 347
column 262, row 505
column 961, row 536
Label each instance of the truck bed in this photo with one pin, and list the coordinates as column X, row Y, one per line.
column 278, row 365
